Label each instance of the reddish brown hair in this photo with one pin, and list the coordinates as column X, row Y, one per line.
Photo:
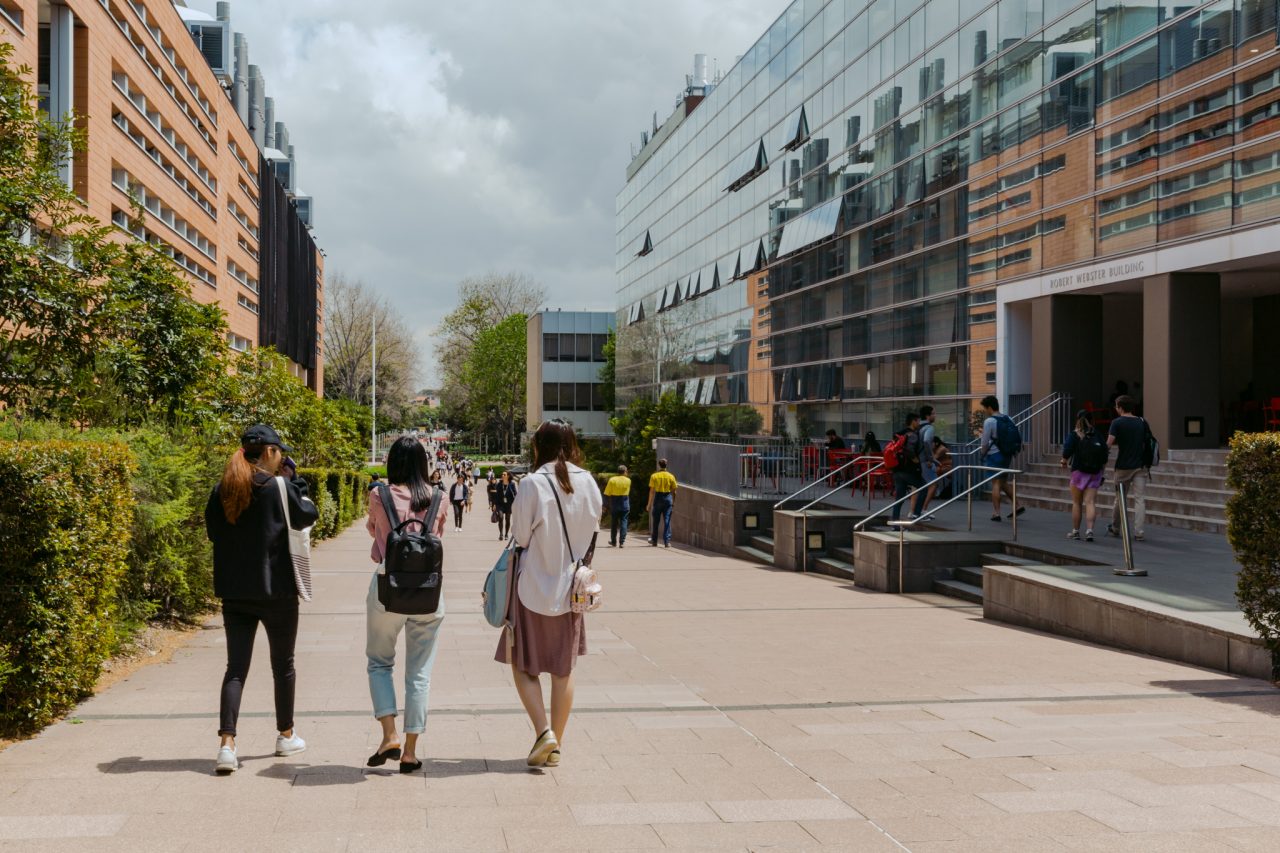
column 236, row 488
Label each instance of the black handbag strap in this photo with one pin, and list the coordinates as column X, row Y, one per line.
column 586, row 560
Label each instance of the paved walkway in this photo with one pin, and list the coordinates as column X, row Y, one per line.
column 724, row 707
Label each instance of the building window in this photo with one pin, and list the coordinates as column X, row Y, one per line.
column 568, row 346
column 247, row 303
column 572, row 397
column 237, row 343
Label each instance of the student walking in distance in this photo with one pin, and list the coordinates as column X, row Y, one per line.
column 1001, row 442
column 507, row 492
column 906, row 474
column 928, row 465
column 458, row 494
column 618, row 492
column 1128, row 434
column 554, row 521
column 1086, row 453
column 408, row 486
column 662, row 493
column 253, row 575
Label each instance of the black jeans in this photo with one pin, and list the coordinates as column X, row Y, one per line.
column 504, row 523
column 240, row 620
column 457, row 512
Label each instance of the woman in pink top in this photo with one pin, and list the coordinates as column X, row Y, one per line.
column 408, row 472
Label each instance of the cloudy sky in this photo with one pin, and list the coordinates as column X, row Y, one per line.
column 447, row 139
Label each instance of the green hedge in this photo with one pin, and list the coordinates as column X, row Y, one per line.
column 1253, row 528
column 66, row 509
column 341, row 497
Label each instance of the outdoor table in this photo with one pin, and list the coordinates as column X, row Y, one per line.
column 750, row 465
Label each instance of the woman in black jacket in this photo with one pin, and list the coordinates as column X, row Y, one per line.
column 253, row 575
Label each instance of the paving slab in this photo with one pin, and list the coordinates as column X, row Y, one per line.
column 723, row 706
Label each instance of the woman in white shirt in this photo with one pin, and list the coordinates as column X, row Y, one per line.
column 547, row 636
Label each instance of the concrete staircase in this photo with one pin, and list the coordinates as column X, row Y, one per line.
column 965, row 583
column 759, row 551
column 1187, row 490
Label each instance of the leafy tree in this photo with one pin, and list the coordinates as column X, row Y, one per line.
column 495, row 379
column 645, row 420
column 351, row 311
column 609, row 373
column 736, row 420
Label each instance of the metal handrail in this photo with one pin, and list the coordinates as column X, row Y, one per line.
column 995, row 474
column 1021, row 419
column 902, row 526
column 825, row 476
column 850, row 484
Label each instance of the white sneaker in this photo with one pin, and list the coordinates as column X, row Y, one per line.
column 290, row 745
column 226, row 761
column 1074, row 534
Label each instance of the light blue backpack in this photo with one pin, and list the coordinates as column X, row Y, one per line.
column 497, row 586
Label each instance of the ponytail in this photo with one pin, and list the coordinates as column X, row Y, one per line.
column 236, row 488
column 562, row 473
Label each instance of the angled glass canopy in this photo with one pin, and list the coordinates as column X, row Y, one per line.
column 797, row 130
column 749, row 165
column 646, row 246
column 810, row 227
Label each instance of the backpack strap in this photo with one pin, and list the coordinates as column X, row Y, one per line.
column 388, row 505
column 429, row 522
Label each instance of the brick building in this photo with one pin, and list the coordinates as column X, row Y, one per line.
column 154, row 86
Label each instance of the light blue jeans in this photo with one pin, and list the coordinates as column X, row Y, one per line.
column 420, row 632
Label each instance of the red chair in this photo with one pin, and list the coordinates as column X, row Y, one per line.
column 835, row 460
column 811, row 460
column 1271, row 415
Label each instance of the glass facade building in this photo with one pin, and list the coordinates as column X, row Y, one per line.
column 861, row 214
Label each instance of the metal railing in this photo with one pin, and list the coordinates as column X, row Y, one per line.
column 1043, row 425
column 903, row 526
column 826, row 477
column 850, row 484
column 1122, row 493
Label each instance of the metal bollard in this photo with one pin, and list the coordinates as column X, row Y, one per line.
column 1122, row 494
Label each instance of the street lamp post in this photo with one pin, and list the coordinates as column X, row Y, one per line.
column 373, row 438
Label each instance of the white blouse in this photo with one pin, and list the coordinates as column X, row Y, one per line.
column 546, row 569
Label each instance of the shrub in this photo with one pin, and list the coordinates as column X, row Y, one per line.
column 317, row 487
column 65, row 514
column 1253, row 528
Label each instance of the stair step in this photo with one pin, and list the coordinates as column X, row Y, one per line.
column 755, row 555
column 1160, row 518
column 971, row 575
column 958, row 589
column 1002, row 559
column 832, row 566
column 764, row 543
column 842, row 553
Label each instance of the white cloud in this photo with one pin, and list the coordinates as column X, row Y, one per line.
column 445, row 140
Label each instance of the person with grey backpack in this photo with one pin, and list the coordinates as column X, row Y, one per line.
column 406, row 523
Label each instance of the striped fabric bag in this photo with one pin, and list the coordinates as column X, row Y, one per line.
column 299, row 546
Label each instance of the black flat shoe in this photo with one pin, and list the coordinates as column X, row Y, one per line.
column 380, row 758
column 410, row 766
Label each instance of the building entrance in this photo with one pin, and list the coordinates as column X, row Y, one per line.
column 1198, row 351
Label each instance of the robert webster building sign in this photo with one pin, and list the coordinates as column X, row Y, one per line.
column 1098, row 275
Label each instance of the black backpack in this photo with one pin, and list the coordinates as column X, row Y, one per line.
column 413, row 562
column 1091, row 453
column 1150, row 446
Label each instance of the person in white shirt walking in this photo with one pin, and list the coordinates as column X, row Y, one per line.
column 554, row 520
column 459, row 492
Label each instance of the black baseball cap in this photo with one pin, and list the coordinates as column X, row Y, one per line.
column 263, row 434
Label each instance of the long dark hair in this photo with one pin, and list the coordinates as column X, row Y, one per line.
column 556, row 442
column 407, row 466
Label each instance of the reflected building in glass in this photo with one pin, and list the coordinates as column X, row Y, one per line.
column 886, row 203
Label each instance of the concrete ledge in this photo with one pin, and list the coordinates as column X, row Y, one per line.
column 712, row 521
column 927, row 557
column 1021, row 596
column 789, row 526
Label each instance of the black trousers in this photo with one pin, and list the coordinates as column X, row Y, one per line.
column 504, row 523
column 240, row 620
column 457, row 512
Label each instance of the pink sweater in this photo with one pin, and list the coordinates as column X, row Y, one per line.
column 379, row 525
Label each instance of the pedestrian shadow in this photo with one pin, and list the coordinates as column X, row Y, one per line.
column 138, row 764
column 318, row 775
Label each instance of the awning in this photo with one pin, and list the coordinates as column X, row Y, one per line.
column 748, row 165
column 691, row 390
column 750, row 258
column 708, row 390
column 726, row 269
column 808, row 228
column 646, row 245
column 797, row 130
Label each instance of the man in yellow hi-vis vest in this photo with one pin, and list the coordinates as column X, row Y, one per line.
column 662, row 492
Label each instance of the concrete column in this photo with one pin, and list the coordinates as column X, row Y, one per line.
column 1066, row 347
column 62, row 29
column 1182, row 350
